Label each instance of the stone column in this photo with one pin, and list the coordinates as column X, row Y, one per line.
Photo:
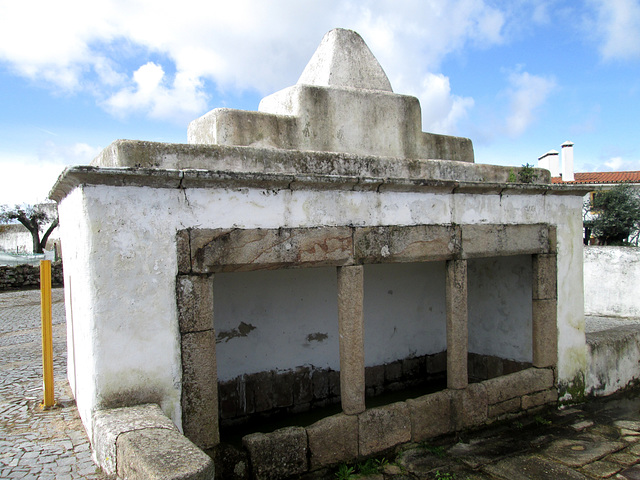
column 457, row 332
column 199, row 371
column 544, row 314
column 351, row 330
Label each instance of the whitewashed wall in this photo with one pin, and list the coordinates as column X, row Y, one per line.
column 121, row 269
column 612, row 281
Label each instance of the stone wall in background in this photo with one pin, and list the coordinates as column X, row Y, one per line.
column 271, row 393
column 28, row 276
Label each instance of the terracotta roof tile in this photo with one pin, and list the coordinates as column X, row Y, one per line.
column 602, row 177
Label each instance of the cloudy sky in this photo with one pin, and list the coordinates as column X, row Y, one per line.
column 518, row 77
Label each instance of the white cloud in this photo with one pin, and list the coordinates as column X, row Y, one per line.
column 526, row 94
column 441, row 111
column 183, row 100
column 235, row 46
column 31, row 177
column 619, row 164
column 617, row 27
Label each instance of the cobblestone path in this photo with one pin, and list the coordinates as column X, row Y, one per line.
column 37, row 444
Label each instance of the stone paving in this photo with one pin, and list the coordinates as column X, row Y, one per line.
column 37, row 444
column 600, row 439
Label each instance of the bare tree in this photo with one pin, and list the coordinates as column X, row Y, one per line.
column 33, row 217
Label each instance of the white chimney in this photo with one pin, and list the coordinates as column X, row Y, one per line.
column 567, row 162
column 551, row 162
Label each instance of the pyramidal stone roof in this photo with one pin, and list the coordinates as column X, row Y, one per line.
column 343, row 103
column 343, row 60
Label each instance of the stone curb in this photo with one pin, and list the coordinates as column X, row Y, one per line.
column 142, row 443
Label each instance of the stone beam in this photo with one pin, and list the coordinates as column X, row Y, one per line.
column 199, row 368
column 544, row 311
column 457, row 318
column 351, row 331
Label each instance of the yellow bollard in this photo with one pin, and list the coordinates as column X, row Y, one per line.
column 47, row 336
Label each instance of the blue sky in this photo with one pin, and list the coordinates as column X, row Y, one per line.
column 518, row 77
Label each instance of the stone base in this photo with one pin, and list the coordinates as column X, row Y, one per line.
column 346, row 438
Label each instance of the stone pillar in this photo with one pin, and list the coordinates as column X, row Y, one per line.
column 544, row 314
column 351, row 330
column 199, row 370
column 457, row 332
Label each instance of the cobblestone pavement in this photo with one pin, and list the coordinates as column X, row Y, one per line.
column 37, row 444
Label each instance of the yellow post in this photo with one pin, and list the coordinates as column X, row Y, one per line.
column 47, row 336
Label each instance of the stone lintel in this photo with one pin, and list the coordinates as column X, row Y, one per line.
column 235, row 250
column 501, row 240
column 394, row 244
column 205, row 251
column 200, row 388
column 351, row 331
column 457, row 329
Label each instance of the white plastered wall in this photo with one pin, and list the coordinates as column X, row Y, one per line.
column 123, row 267
column 612, row 281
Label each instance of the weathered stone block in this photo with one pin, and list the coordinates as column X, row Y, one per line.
column 430, row 415
column 195, row 302
column 109, row 424
column 545, row 333
column 393, row 372
column 540, row 398
column 283, row 389
column 333, row 440
column 351, row 330
column 229, row 399
column 334, row 383
column 260, row 386
column 279, row 454
column 302, row 387
column 183, row 246
column 414, row 368
column 374, row 376
column 518, row 384
column 469, row 406
column 509, row 406
column 382, row 428
column 477, row 366
column 498, row 240
column 545, row 277
column 230, row 250
column 553, row 239
column 437, row 363
column 320, row 384
column 232, row 463
column 200, row 388
column 403, row 244
column 161, row 454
